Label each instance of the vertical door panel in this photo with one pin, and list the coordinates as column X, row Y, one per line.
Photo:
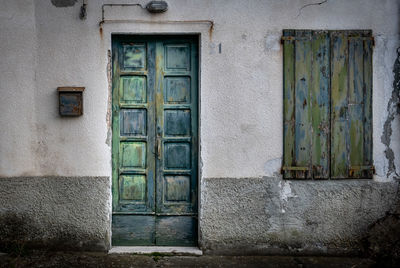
column 177, row 129
column 133, row 143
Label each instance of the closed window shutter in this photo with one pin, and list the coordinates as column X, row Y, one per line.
column 351, row 86
column 327, row 104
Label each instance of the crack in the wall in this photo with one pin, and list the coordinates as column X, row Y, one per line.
column 312, row 4
column 393, row 110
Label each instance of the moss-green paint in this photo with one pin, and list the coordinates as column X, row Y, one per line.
column 339, row 102
column 288, row 104
column 303, row 62
column 155, row 140
column 320, row 105
column 327, row 103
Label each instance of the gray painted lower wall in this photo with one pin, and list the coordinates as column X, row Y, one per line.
column 237, row 215
column 55, row 213
column 274, row 216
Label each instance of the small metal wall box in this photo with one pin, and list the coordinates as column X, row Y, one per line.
column 70, row 101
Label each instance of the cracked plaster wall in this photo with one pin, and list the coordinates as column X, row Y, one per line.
column 44, row 46
column 270, row 216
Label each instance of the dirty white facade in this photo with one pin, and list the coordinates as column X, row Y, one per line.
column 55, row 172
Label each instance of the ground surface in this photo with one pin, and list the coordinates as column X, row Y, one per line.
column 83, row 259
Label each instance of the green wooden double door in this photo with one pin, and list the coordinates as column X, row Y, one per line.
column 155, row 140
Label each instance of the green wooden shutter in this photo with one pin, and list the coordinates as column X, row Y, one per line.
column 327, row 104
column 351, row 85
column 306, row 104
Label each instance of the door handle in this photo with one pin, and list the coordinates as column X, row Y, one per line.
column 159, row 147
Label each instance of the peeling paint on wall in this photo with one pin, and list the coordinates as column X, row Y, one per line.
column 393, row 109
column 272, row 42
column 272, row 167
column 285, row 193
column 109, row 100
column 212, row 48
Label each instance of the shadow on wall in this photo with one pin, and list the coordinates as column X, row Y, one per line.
column 19, row 233
column 382, row 241
column 14, row 233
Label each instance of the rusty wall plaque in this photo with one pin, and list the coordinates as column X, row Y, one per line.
column 70, row 100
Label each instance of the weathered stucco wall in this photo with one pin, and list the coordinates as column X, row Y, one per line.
column 44, row 46
column 55, row 212
column 268, row 215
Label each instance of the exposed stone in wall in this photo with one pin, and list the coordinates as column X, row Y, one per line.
column 383, row 238
column 393, row 110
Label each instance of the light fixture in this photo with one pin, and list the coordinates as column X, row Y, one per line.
column 157, row 6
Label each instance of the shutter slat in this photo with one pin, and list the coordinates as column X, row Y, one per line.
column 320, row 104
column 356, row 128
column 303, row 102
column 367, row 93
column 339, row 108
column 288, row 104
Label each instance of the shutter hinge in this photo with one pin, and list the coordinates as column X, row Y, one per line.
column 286, row 168
column 287, row 38
column 354, row 169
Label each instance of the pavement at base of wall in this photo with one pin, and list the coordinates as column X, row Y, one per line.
column 95, row 259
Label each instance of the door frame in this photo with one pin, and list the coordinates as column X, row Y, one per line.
column 196, row 35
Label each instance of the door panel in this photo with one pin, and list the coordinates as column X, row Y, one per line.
column 154, row 140
column 174, row 231
column 133, row 230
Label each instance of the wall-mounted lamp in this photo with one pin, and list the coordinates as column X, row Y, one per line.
column 157, row 6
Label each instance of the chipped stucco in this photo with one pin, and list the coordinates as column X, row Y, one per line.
column 109, row 99
column 270, row 216
column 393, row 110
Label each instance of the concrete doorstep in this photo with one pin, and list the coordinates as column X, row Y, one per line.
column 187, row 251
column 152, row 258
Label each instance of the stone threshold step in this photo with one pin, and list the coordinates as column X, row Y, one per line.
column 193, row 251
